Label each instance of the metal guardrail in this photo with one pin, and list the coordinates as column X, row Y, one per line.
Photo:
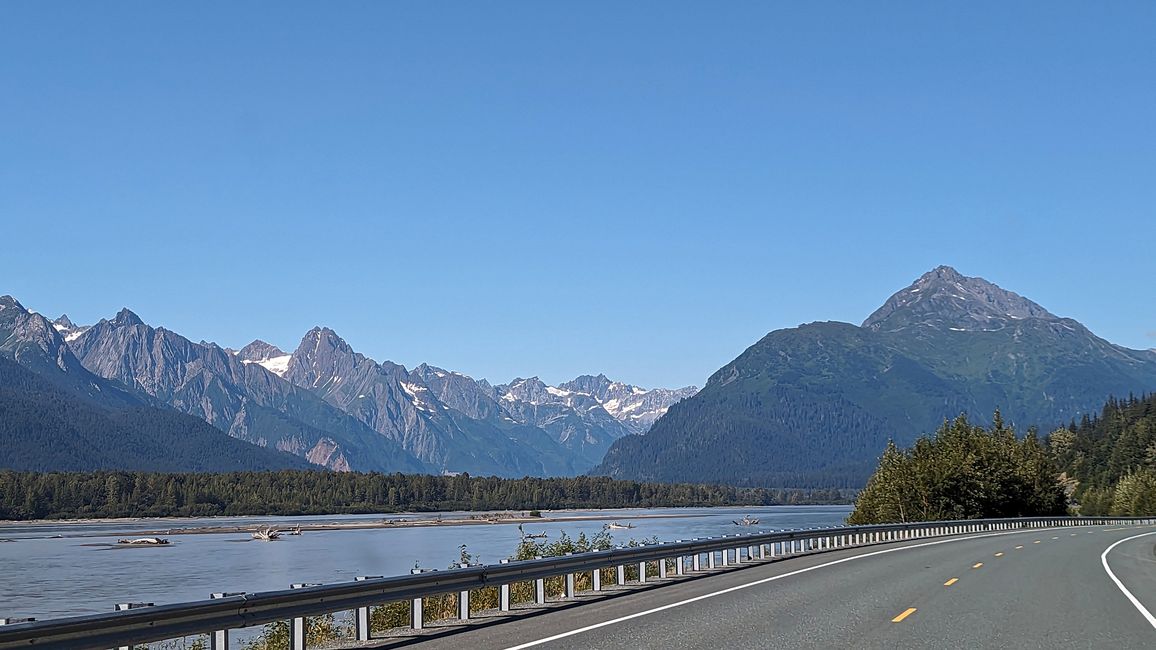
column 143, row 624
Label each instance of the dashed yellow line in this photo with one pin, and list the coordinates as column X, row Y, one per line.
column 908, row 612
column 1036, row 542
column 1055, row 538
column 1019, row 547
column 951, row 582
column 977, row 565
column 1000, row 554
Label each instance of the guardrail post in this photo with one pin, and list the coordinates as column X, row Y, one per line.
column 417, row 606
column 696, row 562
column 121, row 607
column 596, row 580
column 710, row 560
column 662, row 568
column 219, row 639
column 416, row 614
column 570, row 584
column 464, row 599
column 297, row 628
column 641, row 572
column 620, row 576
column 361, row 615
column 504, row 594
column 539, row 587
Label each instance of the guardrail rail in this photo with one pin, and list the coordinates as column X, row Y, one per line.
column 138, row 623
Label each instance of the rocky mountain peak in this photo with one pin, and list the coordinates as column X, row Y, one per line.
column 64, row 323
column 530, row 389
column 266, row 355
column 8, row 302
column 126, row 318
column 943, row 298
column 323, row 337
column 321, row 357
column 589, row 384
column 259, row 350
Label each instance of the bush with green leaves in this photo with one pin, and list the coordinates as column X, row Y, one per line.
column 963, row 471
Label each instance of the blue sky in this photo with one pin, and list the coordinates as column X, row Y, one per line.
column 505, row 189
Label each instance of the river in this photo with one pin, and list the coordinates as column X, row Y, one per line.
column 51, row 569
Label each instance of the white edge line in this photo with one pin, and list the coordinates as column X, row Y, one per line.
column 688, row 601
column 1135, row 603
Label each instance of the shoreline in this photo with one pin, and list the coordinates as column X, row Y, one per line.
column 399, row 523
column 368, row 522
column 399, row 517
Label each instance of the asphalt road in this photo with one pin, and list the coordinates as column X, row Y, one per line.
column 1033, row 589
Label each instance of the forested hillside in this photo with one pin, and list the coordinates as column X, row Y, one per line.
column 1103, row 465
column 26, row 495
column 1110, row 460
column 814, row 406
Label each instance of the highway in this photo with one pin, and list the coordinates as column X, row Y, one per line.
column 1031, row 589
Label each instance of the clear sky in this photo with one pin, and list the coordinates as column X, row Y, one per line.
column 515, row 189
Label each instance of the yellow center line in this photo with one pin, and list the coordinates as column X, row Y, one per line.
column 950, row 582
column 1055, row 538
column 1019, row 547
column 977, row 565
column 999, row 554
column 1036, row 542
column 905, row 614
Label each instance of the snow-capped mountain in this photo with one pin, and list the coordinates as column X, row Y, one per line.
column 402, row 406
column 341, row 409
column 576, row 420
column 269, row 357
column 243, row 399
column 68, row 329
column 635, row 407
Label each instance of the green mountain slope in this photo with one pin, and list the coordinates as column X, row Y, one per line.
column 814, row 406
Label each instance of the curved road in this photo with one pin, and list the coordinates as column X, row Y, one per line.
column 1031, row 589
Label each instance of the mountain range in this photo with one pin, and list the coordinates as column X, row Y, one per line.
column 804, row 407
column 336, row 408
column 814, row 405
column 57, row 415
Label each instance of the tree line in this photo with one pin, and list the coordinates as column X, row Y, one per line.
column 963, row 471
column 65, row 495
column 1104, row 464
column 1109, row 460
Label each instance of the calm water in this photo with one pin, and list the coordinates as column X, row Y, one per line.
column 48, row 577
